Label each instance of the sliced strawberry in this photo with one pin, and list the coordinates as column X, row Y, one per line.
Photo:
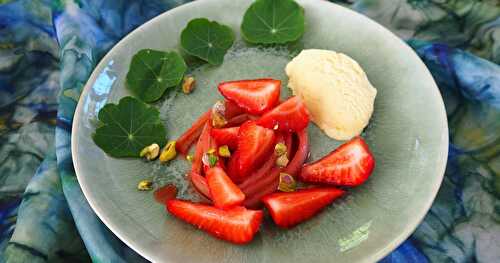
column 238, row 120
column 263, row 171
column 290, row 209
column 232, row 109
column 226, row 136
column 349, row 165
column 254, row 145
column 225, row 194
column 237, row 225
column 220, row 163
column 269, row 184
column 291, row 115
column 255, row 96
column 189, row 137
column 247, row 186
column 232, row 167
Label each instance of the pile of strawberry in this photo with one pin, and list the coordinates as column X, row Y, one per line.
column 236, row 166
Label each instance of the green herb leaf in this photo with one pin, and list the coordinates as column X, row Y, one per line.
column 273, row 22
column 209, row 159
column 207, row 40
column 151, row 72
column 128, row 127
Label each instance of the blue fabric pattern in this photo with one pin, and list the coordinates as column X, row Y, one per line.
column 49, row 48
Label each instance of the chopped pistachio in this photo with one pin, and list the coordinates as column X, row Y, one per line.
column 280, row 149
column 287, row 183
column 189, row 157
column 212, row 159
column 168, row 153
column 145, row 185
column 219, row 107
column 150, row 152
column 204, row 159
column 209, row 159
column 211, row 151
column 188, row 84
column 224, row 151
column 218, row 120
column 218, row 111
column 282, row 161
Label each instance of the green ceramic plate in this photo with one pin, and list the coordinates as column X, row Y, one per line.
column 408, row 135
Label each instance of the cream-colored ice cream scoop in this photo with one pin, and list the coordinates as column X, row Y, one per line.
column 335, row 89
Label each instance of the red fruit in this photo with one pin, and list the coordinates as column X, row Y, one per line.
column 238, row 120
column 189, row 137
column 201, row 147
column 231, row 109
column 290, row 209
column 291, row 115
column 200, row 184
column 348, row 165
column 255, row 143
column 232, row 167
column 255, row 96
column 262, row 171
column 226, row 136
column 262, row 188
column 269, row 184
column 289, row 144
column 220, row 163
column 225, row 194
column 301, row 154
column 237, row 225
column 211, row 145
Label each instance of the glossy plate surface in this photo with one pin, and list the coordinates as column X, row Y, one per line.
column 408, row 135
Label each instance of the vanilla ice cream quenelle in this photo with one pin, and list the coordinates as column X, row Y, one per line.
column 335, row 89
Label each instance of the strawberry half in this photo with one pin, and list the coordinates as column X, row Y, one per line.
column 237, row 225
column 255, row 143
column 232, row 109
column 349, row 165
column 225, row 194
column 290, row 209
column 256, row 96
column 226, row 136
column 291, row 115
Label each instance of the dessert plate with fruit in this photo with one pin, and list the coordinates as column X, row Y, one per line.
column 260, row 131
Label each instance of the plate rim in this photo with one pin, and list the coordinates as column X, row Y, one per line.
column 393, row 244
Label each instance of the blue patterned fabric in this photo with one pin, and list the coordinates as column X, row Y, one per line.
column 49, row 48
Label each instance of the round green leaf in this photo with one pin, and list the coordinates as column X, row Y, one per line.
column 128, row 127
column 207, row 40
column 273, row 22
column 151, row 72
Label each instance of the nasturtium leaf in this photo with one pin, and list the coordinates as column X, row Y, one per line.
column 207, row 40
column 273, row 22
column 128, row 127
column 151, row 72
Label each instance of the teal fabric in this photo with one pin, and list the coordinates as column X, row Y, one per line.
column 49, row 48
